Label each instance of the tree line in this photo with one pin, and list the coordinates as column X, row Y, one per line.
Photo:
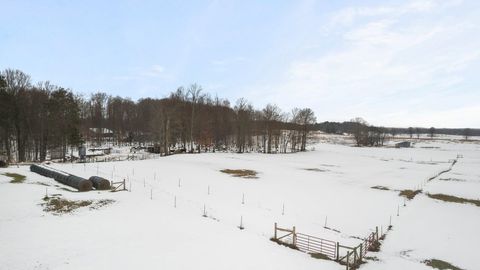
column 365, row 134
column 37, row 119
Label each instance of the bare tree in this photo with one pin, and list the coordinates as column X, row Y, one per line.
column 410, row 132
column 194, row 93
column 305, row 118
column 17, row 84
column 360, row 128
column 271, row 114
column 431, row 132
column 417, row 131
column 466, row 133
column 244, row 111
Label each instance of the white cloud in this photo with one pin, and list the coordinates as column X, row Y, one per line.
column 386, row 66
column 349, row 15
column 153, row 71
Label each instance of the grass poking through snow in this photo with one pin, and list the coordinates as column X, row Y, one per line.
column 409, row 194
column 380, row 187
column 16, row 178
column 241, row 173
column 442, row 265
column 316, row 170
column 62, row 206
column 450, row 198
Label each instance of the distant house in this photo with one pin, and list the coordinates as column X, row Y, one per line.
column 403, row 144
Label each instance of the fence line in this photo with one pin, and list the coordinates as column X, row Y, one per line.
column 331, row 249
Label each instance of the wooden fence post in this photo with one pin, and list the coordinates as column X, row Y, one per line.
column 376, row 232
column 355, row 256
column 275, row 233
column 361, row 252
column 294, row 237
column 348, row 259
column 338, row 251
column 124, row 186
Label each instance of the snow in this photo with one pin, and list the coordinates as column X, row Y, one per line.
column 144, row 230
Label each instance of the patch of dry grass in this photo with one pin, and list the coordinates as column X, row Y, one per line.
column 241, row 173
column 409, row 194
column 16, row 178
column 380, row 187
column 454, row 199
column 61, row 206
column 316, row 170
column 442, row 265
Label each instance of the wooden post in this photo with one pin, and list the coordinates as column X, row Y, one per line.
column 361, row 252
column 348, row 259
column 294, row 236
column 355, row 256
column 338, row 251
column 124, row 186
column 376, row 233
column 275, row 231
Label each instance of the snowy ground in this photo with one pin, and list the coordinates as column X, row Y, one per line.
column 332, row 184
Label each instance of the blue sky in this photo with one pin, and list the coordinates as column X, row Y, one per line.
column 394, row 63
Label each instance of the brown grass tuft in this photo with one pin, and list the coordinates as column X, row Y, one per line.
column 241, row 173
column 16, row 178
column 450, row 198
column 409, row 194
column 380, row 187
column 442, row 265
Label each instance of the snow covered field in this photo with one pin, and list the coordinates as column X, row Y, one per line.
column 159, row 224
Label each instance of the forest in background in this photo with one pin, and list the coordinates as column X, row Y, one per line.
column 38, row 118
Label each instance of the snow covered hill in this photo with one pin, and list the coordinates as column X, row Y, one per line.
column 159, row 223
